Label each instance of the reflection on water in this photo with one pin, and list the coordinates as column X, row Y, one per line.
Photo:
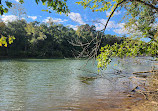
column 54, row 84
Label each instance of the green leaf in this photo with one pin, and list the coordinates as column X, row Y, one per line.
column 5, row 10
column 21, row 1
column 9, row 4
column 37, row 1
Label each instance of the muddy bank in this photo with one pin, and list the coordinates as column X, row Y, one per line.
column 150, row 100
column 144, row 106
column 116, row 102
column 123, row 102
column 137, row 100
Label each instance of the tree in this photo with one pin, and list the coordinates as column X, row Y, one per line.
column 18, row 10
column 140, row 17
column 17, row 29
column 57, row 5
column 42, row 40
column 139, row 13
column 128, row 48
column 89, row 41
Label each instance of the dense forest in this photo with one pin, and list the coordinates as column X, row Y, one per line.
column 48, row 40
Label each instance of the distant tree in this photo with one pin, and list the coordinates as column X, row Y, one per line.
column 57, row 5
column 34, row 33
column 139, row 14
column 20, row 44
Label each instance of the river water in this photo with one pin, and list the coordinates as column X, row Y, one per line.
column 57, row 85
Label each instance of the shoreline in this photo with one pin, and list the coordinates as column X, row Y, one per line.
column 114, row 100
column 148, row 101
column 129, row 102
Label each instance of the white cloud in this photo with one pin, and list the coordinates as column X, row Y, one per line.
column 100, row 24
column 120, row 29
column 76, row 17
column 9, row 18
column 17, row 0
column 73, row 26
column 115, row 13
column 32, row 17
column 55, row 20
column 112, row 25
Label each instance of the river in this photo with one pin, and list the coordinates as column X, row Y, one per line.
column 56, row 84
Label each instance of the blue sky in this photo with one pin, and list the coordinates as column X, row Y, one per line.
column 78, row 16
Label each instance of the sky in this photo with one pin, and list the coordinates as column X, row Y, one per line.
column 77, row 16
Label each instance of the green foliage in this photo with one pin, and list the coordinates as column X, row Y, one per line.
column 50, row 40
column 128, row 48
column 140, row 20
column 4, row 9
column 57, row 5
column 140, row 15
column 4, row 40
column 99, row 5
column 35, row 33
column 86, row 33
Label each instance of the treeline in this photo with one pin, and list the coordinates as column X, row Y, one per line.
column 48, row 40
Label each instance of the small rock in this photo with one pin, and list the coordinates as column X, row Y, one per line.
column 129, row 95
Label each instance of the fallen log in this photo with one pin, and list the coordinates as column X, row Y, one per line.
column 145, row 71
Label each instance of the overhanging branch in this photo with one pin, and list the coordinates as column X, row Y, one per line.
column 143, row 2
column 112, row 14
column 150, row 5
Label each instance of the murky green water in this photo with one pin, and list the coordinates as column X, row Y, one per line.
column 55, row 84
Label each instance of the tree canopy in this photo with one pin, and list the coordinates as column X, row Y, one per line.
column 140, row 19
column 44, row 40
column 140, row 15
column 57, row 5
